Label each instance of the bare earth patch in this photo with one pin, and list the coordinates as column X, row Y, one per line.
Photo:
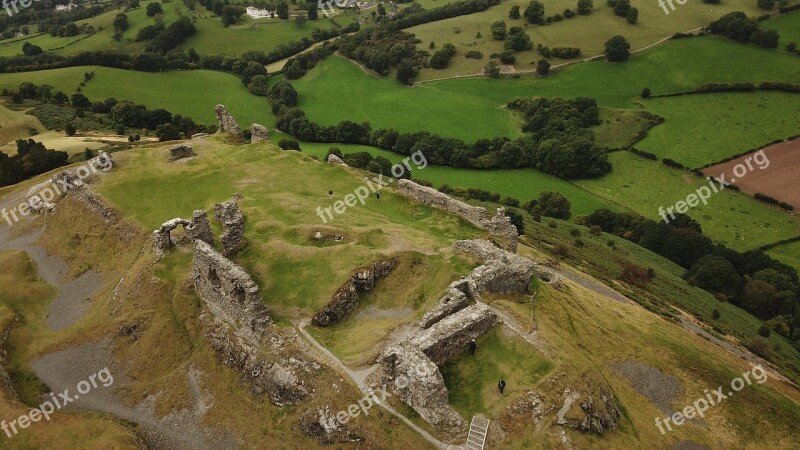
column 661, row 389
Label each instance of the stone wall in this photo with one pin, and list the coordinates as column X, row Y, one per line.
column 227, row 124
column 499, row 226
column 232, row 237
column 451, row 335
column 503, row 272
column 5, row 381
column 197, row 228
column 240, row 330
column 345, row 299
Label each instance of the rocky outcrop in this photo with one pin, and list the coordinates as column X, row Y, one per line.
column 499, row 226
column 258, row 133
column 180, row 151
column 240, row 330
column 232, row 237
column 333, row 159
column 227, row 123
column 346, row 297
column 197, row 228
column 589, row 408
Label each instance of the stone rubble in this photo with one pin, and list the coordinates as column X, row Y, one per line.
column 258, row 133
column 333, row 159
column 180, row 151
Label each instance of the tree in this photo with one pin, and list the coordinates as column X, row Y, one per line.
column 69, row 129
column 516, row 220
column 381, row 10
column 120, row 23
column 646, row 93
column 715, row 274
column 514, row 12
column 543, row 67
column 405, row 72
column 518, row 40
column 534, row 13
column 632, row 16
column 312, row 11
column 168, row 132
column 617, row 49
column 29, row 49
column 585, row 7
column 552, row 204
column 79, row 100
column 283, row 10
column 765, row 38
column 491, row 70
column 498, row 30
column 154, row 8
column 766, row 4
column 300, row 20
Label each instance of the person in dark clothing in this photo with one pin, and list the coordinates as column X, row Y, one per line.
column 472, row 347
column 330, row 194
column 501, row 385
column 378, row 196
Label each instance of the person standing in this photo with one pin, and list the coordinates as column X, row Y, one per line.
column 330, row 194
column 378, row 196
column 472, row 347
column 501, row 385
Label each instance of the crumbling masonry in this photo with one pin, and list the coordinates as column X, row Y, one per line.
column 227, row 124
column 499, row 226
column 459, row 316
column 345, row 299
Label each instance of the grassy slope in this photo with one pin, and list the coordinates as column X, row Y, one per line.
column 702, row 129
column 16, row 125
column 788, row 26
column 338, row 90
column 588, row 33
column 729, row 217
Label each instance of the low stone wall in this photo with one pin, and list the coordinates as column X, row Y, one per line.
column 503, row 272
column 180, row 151
column 345, row 299
column 453, row 301
column 499, row 226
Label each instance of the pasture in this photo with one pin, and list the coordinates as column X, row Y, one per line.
column 337, row 89
column 787, row 25
column 730, row 217
column 704, row 128
column 588, row 33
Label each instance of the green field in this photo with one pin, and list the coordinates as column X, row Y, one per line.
column 730, row 217
column 787, row 25
column 192, row 93
column 787, row 253
column 339, row 90
column 680, row 65
column 263, row 35
column 705, row 128
column 588, row 33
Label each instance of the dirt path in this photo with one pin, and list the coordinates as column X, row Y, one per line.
column 359, row 378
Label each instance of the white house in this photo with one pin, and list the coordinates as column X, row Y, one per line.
column 256, row 13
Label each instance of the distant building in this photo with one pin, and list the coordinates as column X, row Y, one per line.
column 256, row 13
column 69, row 7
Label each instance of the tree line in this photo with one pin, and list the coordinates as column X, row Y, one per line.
column 32, row 159
column 560, row 141
column 759, row 284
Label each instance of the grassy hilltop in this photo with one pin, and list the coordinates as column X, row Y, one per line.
column 281, row 191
